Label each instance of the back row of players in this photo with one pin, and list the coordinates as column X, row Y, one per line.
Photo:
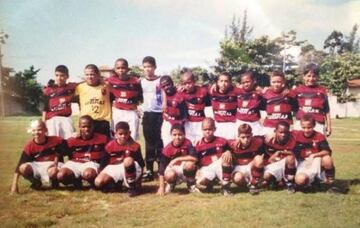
column 164, row 105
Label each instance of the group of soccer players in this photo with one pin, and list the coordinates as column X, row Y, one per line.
column 191, row 144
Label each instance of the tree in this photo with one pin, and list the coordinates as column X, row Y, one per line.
column 136, row 71
column 336, row 70
column 24, row 85
column 239, row 32
column 202, row 75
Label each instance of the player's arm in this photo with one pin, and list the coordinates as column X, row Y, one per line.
column 164, row 161
column 164, row 100
column 324, row 149
column 327, row 117
column 23, row 159
column 139, row 158
column 227, row 155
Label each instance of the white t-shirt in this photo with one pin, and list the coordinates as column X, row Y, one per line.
column 152, row 95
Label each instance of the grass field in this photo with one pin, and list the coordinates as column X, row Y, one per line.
column 88, row 208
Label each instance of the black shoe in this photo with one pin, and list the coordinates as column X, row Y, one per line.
column 55, row 184
column 148, row 176
column 290, row 188
column 132, row 192
column 36, row 184
column 254, row 190
column 77, row 183
column 226, row 192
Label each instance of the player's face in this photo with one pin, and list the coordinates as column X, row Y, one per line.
column 223, row 83
column 168, row 87
column 277, row 83
column 188, row 82
column 91, row 77
column 310, row 79
column 247, row 83
column 39, row 133
column 282, row 134
column 208, row 130
column 244, row 139
column 86, row 129
column 122, row 136
column 149, row 70
column 178, row 137
column 308, row 128
column 60, row 78
column 121, row 69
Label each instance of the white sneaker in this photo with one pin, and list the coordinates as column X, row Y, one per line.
column 169, row 188
column 193, row 189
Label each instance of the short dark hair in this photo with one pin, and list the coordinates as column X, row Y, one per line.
column 278, row 73
column 178, row 127
column 227, row 74
column 166, row 78
column 308, row 118
column 63, row 69
column 248, row 73
column 123, row 60
column 88, row 118
column 283, row 123
column 187, row 71
column 93, row 67
column 149, row 59
column 244, row 129
column 122, row 125
column 313, row 68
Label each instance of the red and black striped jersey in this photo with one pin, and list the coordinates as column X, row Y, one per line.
column 127, row 94
column 248, row 105
column 171, row 152
column 58, row 100
column 224, row 105
column 305, row 146
column 196, row 103
column 175, row 111
column 278, row 107
column 208, row 152
column 81, row 150
column 272, row 146
column 243, row 156
column 54, row 147
column 116, row 153
column 312, row 100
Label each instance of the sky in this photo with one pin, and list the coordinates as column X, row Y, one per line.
column 46, row 33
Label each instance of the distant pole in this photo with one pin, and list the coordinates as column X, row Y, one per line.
column 3, row 36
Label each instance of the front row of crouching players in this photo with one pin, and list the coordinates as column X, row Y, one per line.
column 122, row 162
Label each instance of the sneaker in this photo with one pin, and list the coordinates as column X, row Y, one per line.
column 148, row 176
column 193, row 189
column 209, row 188
column 334, row 190
column 132, row 192
column 36, row 184
column 290, row 188
column 226, row 192
column 77, row 183
column 169, row 188
column 55, row 184
column 254, row 190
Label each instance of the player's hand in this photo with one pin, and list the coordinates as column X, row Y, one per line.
column 227, row 157
column 161, row 191
column 328, row 130
column 139, row 112
column 14, row 189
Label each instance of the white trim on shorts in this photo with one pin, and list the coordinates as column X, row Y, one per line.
column 225, row 130
column 312, row 169
column 40, row 169
column 117, row 172
column 210, row 172
column 165, row 132
column 78, row 168
column 193, row 131
column 129, row 116
column 61, row 126
column 179, row 171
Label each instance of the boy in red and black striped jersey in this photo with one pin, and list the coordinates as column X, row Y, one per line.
column 312, row 98
column 174, row 108
column 177, row 162
column 278, row 103
column 224, row 104
column 248, row 153
column 40, row 159
column 122, row 162
column 211, row 152
column 126, row 93
column 84, row 154
column 314, row 155
column 279, row 160
column 57, row 109
column 249, row 102
column 196, row 99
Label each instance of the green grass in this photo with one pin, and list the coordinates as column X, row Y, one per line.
column 67, row 208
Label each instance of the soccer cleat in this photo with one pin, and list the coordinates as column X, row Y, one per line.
column 148, row 176
column 290, row 188
column 209, row 188
column 254, row 190
column 193, row 189
column 132, row 192
column 55, row 184
column 169, row 188
column 36, row 184
column 226, row 192
column 77, row 183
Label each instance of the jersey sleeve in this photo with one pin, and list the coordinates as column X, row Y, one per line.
column 164, row 162
column 192, row 151
column 23, row 159
column 326, row 105
column 324, row 145
column 139, row 158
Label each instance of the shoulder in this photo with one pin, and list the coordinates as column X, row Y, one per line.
column 100, row 137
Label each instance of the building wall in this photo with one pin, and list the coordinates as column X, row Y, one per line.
column 349, row 109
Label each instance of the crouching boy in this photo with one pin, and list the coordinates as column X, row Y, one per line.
column 177, row 162
column 122, row 162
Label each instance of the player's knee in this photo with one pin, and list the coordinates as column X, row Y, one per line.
column 290, row 161
column 267, row 176
column 189, row 166
column 52, row 172
column 327, row 162
column 238, row 178
column 204, row 181
column 89, row 174
column 170, row 177
column 128, row 161
column 26, row 170
column 99, row 181
column 301, row 179
column 258, row 161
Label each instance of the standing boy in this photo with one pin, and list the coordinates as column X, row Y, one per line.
column 126, row 91
column 57, row 108
column 152, row 115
